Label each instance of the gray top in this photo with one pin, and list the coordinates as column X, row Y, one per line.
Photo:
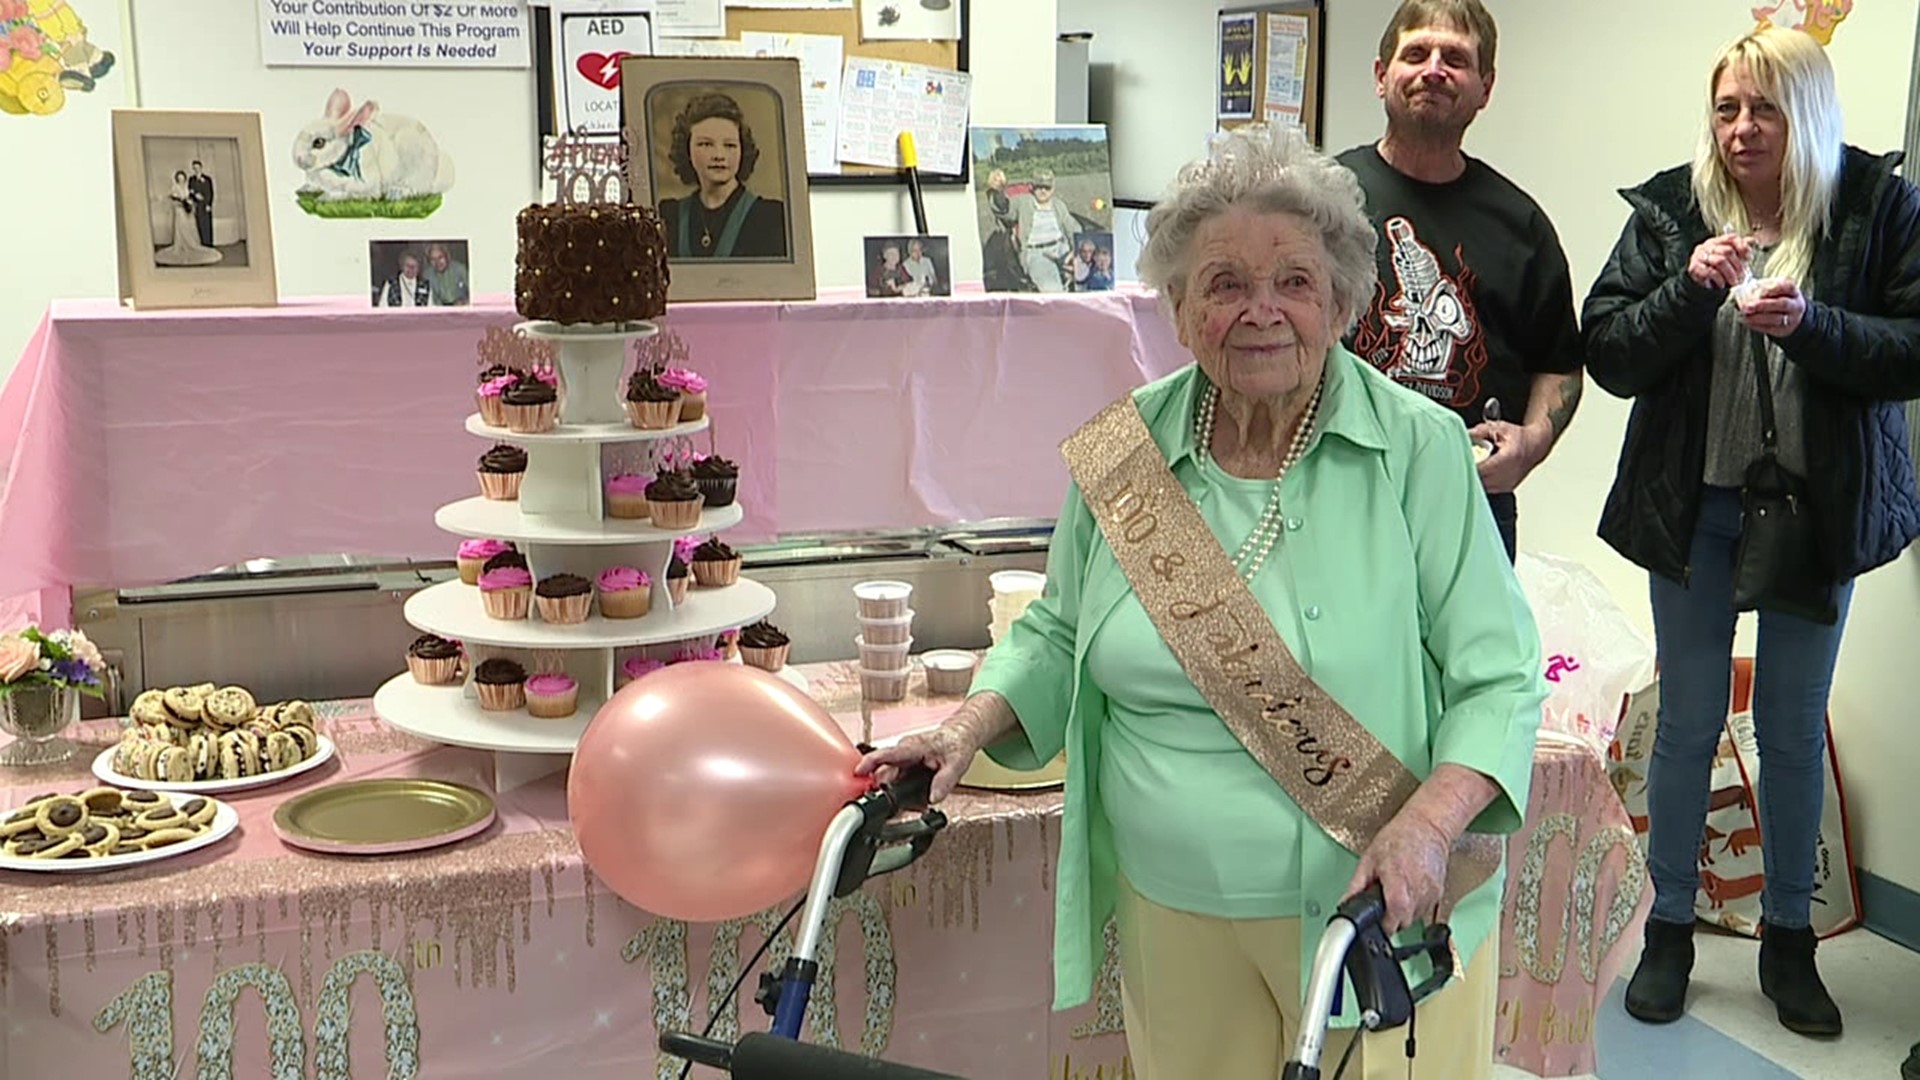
column 1733, row 415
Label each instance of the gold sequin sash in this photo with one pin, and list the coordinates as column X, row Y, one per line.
column 1333, row 767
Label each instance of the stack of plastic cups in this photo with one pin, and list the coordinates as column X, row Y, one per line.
column 885, row 640
column 1013, row 590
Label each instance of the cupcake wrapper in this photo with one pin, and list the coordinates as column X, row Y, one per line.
column 501, row 697
column 692, row 406
column 493, row 411
column 507, row 603
column 470, row 570
column 434, row 672
column 629, row 507
column 533, row 419
column 565, row 610
column 676, row 515
column 677, row 590
column 716, row 574
column 765, row 659
column 503, row 487
column 718, row 492
column 553, row 706
column 626, row 603
column 653, row 415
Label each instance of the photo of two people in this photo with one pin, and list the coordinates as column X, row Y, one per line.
column 900, row 267
column 419, row 273
column 195, row 207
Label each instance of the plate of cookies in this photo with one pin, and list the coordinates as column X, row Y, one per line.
column 106, row 828
column 206, row 739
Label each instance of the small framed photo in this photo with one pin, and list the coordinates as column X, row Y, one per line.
column 717, row 146
column 190, row 193
column 905, row 267
column 418, row 273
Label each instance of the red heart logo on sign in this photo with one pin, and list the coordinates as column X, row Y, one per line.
column 601, row 69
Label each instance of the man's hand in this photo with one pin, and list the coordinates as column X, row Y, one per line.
column 1516, row 451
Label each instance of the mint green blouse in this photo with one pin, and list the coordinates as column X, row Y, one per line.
column 1398, row 600
column 1198, row 824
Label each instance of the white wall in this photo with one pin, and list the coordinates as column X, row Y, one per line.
column 484, row 118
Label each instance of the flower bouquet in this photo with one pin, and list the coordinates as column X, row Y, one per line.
column 42, row 676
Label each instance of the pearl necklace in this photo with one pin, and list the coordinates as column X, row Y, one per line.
column 1259, row 543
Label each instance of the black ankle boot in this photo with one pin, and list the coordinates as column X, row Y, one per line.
column 1790, row 981
column 1658, row 992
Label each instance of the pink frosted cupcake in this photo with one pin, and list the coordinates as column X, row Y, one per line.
column 625, row 593
column 638, row 666
column 473, row 556
column 693, row 392
column 506, row 592
column 493, row 409
column 552, row 697
column 627, row 496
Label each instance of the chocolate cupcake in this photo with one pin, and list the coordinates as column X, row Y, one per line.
column 673, row 501
column 501, row 684
column 433, row 660
column 501, row 470
column 532, row 406
column 564, row 599
column 506, row 560
column 717, row 478
column 677, row 580
column 765, row 646
column 715, row 565
column 651, row 404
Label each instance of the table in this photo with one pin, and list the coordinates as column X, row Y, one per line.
column 503, row 956
column 155, row 445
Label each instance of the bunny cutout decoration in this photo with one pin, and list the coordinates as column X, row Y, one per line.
column 362, row 153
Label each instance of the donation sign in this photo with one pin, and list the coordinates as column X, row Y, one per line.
column 394, row 33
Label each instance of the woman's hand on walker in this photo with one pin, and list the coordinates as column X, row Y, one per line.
column 947, row 750
column 1408, row 857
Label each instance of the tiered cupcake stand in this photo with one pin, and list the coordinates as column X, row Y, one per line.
column 559, row 524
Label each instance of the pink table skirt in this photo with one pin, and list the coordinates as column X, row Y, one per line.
column 148, row 446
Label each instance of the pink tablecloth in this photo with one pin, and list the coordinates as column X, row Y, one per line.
column 154, row 445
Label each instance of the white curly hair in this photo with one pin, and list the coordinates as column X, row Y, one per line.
column 1271, row 170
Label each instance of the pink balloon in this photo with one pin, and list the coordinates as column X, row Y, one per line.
column 701, row 791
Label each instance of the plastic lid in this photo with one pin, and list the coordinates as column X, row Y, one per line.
column 883, row 590
column 1005, row 581
column 948, row 660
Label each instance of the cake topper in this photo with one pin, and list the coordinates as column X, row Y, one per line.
column 510, row 349
column 661, row 351
column 588, row 169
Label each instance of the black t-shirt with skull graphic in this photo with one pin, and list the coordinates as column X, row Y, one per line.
column 1474, row 297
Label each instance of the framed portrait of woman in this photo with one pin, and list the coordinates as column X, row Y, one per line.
column 717, row 146
column 190, row 193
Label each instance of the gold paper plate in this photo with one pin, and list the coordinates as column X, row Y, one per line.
column 987, row 775
column 382, row 816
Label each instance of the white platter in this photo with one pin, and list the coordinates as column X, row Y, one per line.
column 453, row 609
column 103, row 768
column 620, row 432
column 225, row 820
column 502, row 519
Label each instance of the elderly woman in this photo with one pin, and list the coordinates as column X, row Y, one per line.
column 713, row 151
column 1779, row 251
column 1280, row 643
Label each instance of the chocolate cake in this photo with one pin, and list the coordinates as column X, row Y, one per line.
column 591, row 263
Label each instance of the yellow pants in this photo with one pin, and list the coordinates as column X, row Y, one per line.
column 1219, row 999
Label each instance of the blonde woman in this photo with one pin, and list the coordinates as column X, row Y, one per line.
column 1780, row 249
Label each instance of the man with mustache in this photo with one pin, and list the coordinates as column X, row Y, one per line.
column 1475, row 305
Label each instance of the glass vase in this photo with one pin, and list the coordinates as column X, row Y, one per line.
column 35, row 715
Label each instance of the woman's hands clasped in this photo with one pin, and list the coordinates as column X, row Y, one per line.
column 1408, row 857
column 1720, row 262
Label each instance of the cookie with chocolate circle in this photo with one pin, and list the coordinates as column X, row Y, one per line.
column 61, row 815
column 101, row 801
column 199, row 811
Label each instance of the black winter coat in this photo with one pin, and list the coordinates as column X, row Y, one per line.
column 1648, row 330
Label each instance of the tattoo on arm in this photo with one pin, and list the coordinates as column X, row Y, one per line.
column 1561, row 414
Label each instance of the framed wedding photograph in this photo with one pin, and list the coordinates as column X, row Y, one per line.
column 191, row 209
column 718, row 148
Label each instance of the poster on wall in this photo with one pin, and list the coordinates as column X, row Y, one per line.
column 387, row 33
column 587, row 49
column 363, row 162
column 1818, row 19
column 1285, row 101
column 45, row 55
column 1236, row 67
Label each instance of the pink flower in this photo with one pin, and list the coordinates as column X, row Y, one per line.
column 18, row 657
column 13, row 10
column 26, row 41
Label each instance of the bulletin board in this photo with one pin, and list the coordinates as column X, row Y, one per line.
column 844, row 24
column 1278, row 96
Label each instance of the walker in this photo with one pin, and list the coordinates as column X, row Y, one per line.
column 1354, row 945
column 862, row 842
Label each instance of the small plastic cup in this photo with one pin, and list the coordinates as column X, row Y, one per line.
column 882, row 599
column 1016, row 582
column 949, row 671
column 876, row 657
column 884, row 685
column 895, row 631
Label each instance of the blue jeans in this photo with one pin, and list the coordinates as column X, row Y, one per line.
column 1792, row 671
